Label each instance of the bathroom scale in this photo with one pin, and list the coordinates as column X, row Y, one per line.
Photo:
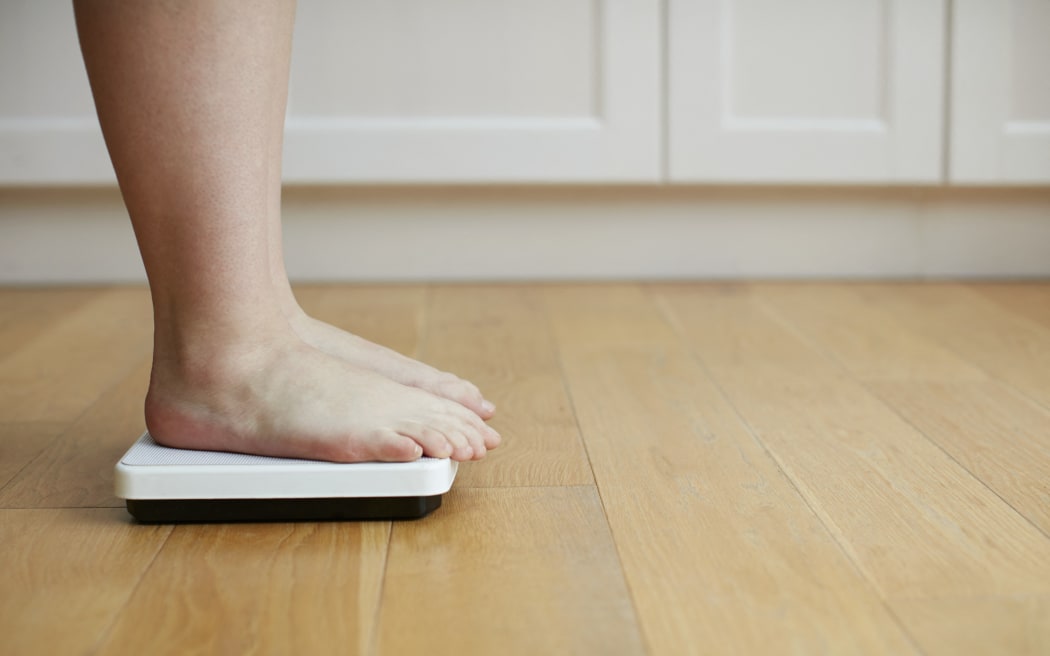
column 164, row 485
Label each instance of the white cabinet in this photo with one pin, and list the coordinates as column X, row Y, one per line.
column 604, row 91
column 476, row 91
column 48, row 130
column 1000, row 92
column 407, row 91
column 806, row 91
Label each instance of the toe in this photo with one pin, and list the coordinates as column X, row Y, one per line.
column 458, row 442
column 402, row 449
column 489, row 437
column 478, row 445
column 465, row 393
column 434, row 442
column 389, row 446
column 476, row 441
column 463, row 450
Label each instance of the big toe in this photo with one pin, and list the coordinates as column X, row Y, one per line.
column 392, row 447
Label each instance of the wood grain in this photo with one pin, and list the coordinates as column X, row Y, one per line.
column 67, row 575
column 1009, row 347
column 499, row 338
column 21, row 442
column 76, row 469
column 779, row 468
column 507, row 571
column 27, row 312
column 1017, row 625
column 840, row 321
column 308, row 588
column 721, row 553
column 998, row 436
column 911, row 518
column 1030, row 300
column 63, row 370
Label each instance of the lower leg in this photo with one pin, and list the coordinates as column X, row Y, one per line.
column 184, row 92
column 190, row 154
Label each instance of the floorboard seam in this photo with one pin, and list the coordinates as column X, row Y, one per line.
column 373, row 643
column 58, row 435
column 567, row 387
column 962, row 466
column 104, row 635
column 977, row 365
column 117, row 380
column 832, row 359
column 838, row 364
column 825, row 522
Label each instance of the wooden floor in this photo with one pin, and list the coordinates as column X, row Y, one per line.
column 687, row 469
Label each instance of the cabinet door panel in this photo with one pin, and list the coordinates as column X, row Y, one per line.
column 48, row 129
column 475, row 90
column 391, row 91
column 1000, row 92
column 806, row 91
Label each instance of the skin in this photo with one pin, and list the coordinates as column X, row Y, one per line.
column 191, row 97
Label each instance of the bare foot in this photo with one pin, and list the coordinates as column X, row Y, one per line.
column 388, row 362
column 286, row 398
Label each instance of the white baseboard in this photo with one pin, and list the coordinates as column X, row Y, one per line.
column 577, row 233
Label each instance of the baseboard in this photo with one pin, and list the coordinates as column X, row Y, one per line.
column 577, row 233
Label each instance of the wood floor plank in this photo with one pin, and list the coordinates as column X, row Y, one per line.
column 26, row 312
column 21, row 442
column 912, row 519
column 769, row 459
column 67, row 574
column 1008, row 346
column 76, row 469
column 499, row 338
column 1031, row 300
column 306, row 588
column 721, row 554
column 61, row 372
column 1018, row 626
column 841, row 321
column 507, row 571
column 1000, row 437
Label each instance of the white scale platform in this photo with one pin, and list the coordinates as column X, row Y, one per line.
column 161, row 484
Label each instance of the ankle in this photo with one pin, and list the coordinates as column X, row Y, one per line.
column 287, row 301
column 216, row 359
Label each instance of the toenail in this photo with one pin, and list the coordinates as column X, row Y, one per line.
column 488, row 406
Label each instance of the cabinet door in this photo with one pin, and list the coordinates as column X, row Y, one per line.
column 475, row 91
column 1000, row 92
column 806, row 91
column 48, row 130
column 390, row 91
